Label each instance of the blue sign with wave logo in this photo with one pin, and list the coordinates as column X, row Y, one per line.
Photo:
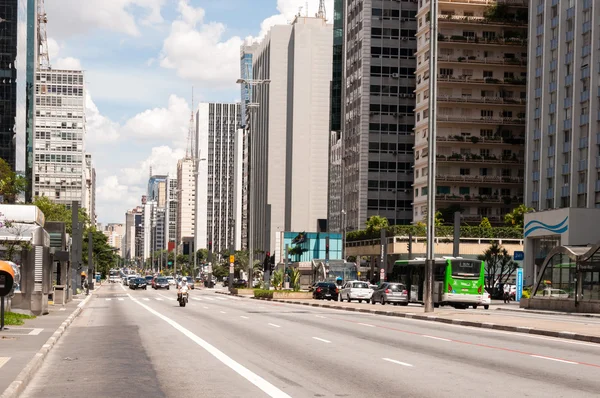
column 535, row 225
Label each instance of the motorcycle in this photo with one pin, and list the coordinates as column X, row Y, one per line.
column 182, row 298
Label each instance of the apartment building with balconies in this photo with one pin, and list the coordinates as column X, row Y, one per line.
column 481, row 106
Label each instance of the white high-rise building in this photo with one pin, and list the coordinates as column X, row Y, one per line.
column 171, row 212
column 218, row 127
column 289, row 131
column 186, row 190
column 59, row 166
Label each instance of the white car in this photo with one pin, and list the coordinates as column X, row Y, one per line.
column 128, row 279
column 485, row 300
column 553, row 294
column 171, row 280
column 356, row 290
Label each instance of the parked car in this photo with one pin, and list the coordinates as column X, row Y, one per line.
column 388, row 292
column 325, row 291
column 239, row 283
column 160, row 283
column 138, row 283
column 356, row 290
column 485, row 299
column 553, row 294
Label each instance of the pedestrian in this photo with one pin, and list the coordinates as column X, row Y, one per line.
column 506, row 293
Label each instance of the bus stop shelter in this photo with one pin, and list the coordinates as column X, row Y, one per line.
column 568, row 280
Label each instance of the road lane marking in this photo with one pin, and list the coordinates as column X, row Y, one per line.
column 223, row 312
column 108, row 299
column 321, row 316
column 63, row 309
column 221, row 298
column 436, row 338
column 323, row 340
column 246, row 373
column 196, row 298
column 168, row 298
column 555, row 359
column 398, row 362
column 275, row 326
column 366, row 324
column 3, row 361
column 146, row 299
column 35, row 332
column 209, row 298
column 245, row 317
column 121, row 299
column 158, row 298
column 205, row 307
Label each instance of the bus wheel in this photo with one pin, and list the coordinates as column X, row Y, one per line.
column 486, row 307
column 474, row 307
column 436, row 305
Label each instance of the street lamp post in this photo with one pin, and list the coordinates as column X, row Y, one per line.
column 344, row 235
column 197, row 161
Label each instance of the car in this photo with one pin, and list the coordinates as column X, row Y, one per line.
column 171, row 281
column 149, row 279
column 325, row 291
column 485, row 300
column 356, row 290
column 553, row 294
column 160, row 283
column 389, row 292
column 128, row 280
column 138, row 283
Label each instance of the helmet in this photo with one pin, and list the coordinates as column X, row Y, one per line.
column 184, row 279
column 83, row 274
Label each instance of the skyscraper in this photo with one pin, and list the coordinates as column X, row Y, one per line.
column 171, row 212
column 59, row 149
column 218, row 128
column 186, row 192
column 371, row 140
column 8, row 84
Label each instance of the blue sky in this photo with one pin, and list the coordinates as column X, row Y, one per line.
column 141, row 59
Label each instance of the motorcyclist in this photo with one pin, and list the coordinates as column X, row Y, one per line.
column 182, row 287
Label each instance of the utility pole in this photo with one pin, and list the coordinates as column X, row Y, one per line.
column 90, row 261
column 431, row 182
column 456, row 243
column 76, row 241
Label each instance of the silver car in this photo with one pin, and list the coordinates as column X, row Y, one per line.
column 389, row 292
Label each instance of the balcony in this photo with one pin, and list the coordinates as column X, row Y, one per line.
column 584, row 119
column 535, row 196
column 582, row 165
column 552, row 129
column 472, row 158
column 568, row 102
column 550, row 193
column 551, row 151
column 482, row 120
column 512, row 41
column 487, row 80
column 570, row 35
column 443, row 19
column 598, row 162
column 554, row 22
column 583, row 142
column 482, row 140
column 535, row 176
column 537, row 134
column 566, row 169
column 549, row 172
column 598, row 186
column 484, row 60
column 581, row 188
column 552, row 108
column 552, row 87
column 566, row 147
column 540, row 8
column 479, row 179
column 587, row 4
column 587, row 26
column 536, row 155
column 482, row 100
column 567, row 124
column 539, row 30
column 488, row 199
column 565, row 191
column 585, row 96
column 570, row 12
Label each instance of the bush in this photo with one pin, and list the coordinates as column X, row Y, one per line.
column 440, row 231
column 262, row 293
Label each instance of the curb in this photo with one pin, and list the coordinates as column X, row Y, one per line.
column 528, row 311
column 460, row 322
column 16, row 388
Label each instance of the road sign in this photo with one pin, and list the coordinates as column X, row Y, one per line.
column 170, row 262
column 382, row 274
column 358, row 273
column 519, row 292
column 519, row 256
column 231, row 268
column 232, row 259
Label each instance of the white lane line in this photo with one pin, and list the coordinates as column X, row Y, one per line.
column 168, row 298
column 321, row 316
column 158, row 298
column 275, row 326
column 398, row 362
column 196, row 298
column 323, row 340
column 436, row 338
column 146, row 299
column 223, row 312
column 555, row 359
column 108, row 299
column 121, row 299
column 123, row 287
column 221, row 298
column 366, row 324
column 205, row 307
column 35, row 332
column 209, row 298
column 246, row 373
column 245, row 317
column 3, row 361
column 62, row 309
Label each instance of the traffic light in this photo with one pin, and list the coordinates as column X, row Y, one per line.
column 209, row 254
column 267, row 262
column 327, row 248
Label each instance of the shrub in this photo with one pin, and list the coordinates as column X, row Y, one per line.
column 262, row 293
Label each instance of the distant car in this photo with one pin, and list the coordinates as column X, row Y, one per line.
column 356, row 290
column 325, row 291
column 485, row 300
column 149, row 279
column 160, row 283
column 171, row 281
column 239, row 283
column 388, row 292
column 138, row 283
column 553, row 294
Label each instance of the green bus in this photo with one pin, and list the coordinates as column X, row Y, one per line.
column 458, row 282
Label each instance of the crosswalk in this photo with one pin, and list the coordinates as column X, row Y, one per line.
column 203, row 298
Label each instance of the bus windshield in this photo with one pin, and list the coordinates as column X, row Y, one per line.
column 463, row 269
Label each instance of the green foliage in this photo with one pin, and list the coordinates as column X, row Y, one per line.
column 59, row 212
column 499, row 265
column 220, row 271
column 104, row 256
column 420, row 231
column 16, row 319
column 295, row 279
column 376, row 223
column 516, row 218
column 11, row 184
column 277, row 279
column 485, row 223
column 261, row 293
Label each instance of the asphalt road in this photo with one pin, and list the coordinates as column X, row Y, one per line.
column 141, row 343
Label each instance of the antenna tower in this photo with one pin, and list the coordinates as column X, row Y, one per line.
column 322, row 13
column 191, row 139
column 42, row 21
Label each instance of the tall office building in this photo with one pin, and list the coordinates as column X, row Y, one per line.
column 59, row 150
column 289, row 131
column 246, row 75
column 8, row 84
column 115, row 234
column 157, row 189
column 186, row 194
column 563, row 143
column 171, row 212
column 481, row 77
column 217, row 127
column 372, row 112
column 30, row 91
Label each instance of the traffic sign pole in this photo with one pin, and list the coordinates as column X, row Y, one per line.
column 231, row 269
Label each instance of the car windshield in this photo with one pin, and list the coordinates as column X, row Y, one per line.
column 360, row 285
column 396, row 288
column 140, row 280
column 161, row 280
column 466, row 269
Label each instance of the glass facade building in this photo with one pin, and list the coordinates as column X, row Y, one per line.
column 8, row 81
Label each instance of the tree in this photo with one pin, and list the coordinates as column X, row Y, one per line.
column 517, row 216
column 59, row 212
column 104, row 257
column 376, row 223
column 485, row 223
column 11, row 184
column 499, row 265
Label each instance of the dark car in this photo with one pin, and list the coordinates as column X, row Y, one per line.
column 325, row 290
column 388, row 292
column 138, row 283
column 239, row 283
column 160, row 283
column 149, row 279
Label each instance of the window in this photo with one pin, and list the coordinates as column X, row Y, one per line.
column 465, row 172
column 464, row 190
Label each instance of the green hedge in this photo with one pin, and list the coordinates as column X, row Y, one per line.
column 262, row 293
column 443, row 231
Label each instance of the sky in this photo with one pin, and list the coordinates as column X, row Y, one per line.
column 141, row 59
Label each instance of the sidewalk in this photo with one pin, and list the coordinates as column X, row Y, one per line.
column 23, row 348
column 490, row 319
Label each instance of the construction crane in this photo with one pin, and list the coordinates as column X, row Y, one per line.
column 191, row 139
column 322, row 14
column 42, row 21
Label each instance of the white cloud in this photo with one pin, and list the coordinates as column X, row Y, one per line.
column 162, row 159
column 100, row 129
column 68, row 63
column 111, row 190
column 113, row 15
